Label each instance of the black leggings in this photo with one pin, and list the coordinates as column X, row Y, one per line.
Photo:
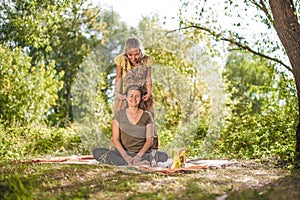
column 113, row 157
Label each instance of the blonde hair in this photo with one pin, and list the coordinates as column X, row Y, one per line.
column 133, row 43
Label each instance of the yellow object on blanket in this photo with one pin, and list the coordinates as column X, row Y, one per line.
column 179, row 158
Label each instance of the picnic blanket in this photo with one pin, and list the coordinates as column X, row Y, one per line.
column 191, row 165
column 85, row 159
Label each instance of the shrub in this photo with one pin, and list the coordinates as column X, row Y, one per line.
column 23, row 142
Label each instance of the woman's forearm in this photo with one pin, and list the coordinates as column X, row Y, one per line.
column 149, row 88
column 116, row 138
column 149, row 81
column 120, row 148
column 118, row 80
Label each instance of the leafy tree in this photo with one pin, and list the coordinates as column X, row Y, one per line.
column 276, row 17
column 259, row 100
column 27, row 23
column 249, row 81
column 81, row 29
column 27, row 92
column 63, row 31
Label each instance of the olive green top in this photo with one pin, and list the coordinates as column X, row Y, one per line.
column 133, row 136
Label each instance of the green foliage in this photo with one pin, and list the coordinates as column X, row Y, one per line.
column 178, row 106
column 235, row 22
column 194, row 148
column 63, row 31
column 261, row 98
column 27, row 92
column 257, row 126
column 264, row 138
column 27, row 24
column 249, row 82
column 36, row 141
column 71, row 44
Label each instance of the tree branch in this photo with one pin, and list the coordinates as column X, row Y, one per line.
column 233, row 41
column 262, row 6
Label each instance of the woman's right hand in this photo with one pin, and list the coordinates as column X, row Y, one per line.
column 121, row 96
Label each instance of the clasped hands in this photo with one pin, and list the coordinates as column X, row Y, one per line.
column 132, row 160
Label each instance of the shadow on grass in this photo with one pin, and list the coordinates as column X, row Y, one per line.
column 287, row 187
column 64, row 181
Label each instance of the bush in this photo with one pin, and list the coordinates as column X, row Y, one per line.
column 265, row 135
column 23, row 142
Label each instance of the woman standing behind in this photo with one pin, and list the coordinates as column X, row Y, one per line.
column 134, row 68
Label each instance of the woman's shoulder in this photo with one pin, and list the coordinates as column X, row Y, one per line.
column 119, row 114
column 147, row 115
column 148, row 60
column 119, row 59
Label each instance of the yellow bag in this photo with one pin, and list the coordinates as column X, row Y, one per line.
column 179, row 158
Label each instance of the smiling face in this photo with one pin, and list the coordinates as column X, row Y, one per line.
column 134, row 97
column 134, row 55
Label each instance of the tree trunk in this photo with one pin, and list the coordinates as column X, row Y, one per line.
column 68, row 105
column 288, row 30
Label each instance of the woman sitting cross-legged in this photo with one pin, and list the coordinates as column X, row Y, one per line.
column 132, row 134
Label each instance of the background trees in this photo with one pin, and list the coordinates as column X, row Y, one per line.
column 260, row 99
column 63, row 32
column 27, row 92
column 233, row 28
column 81, row 29
column 57, row 70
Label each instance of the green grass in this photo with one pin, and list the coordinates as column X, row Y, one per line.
column 70, row 181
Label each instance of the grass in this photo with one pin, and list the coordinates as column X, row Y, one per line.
column 247, row 180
